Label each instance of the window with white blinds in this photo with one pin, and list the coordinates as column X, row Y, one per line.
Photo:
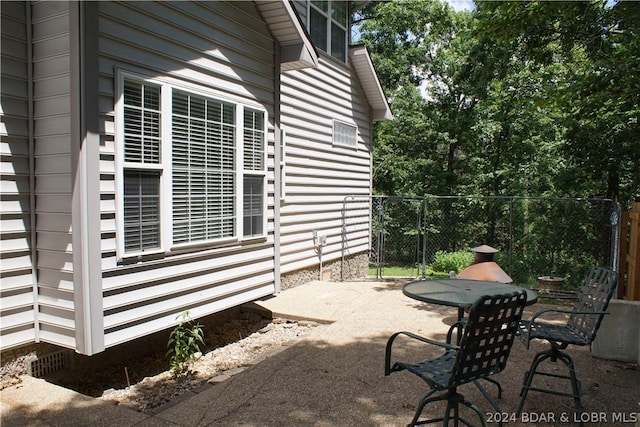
column 254, row 167
column 211, row 186
column 254, row 138
column 141, row 122
column 204, row 169
column 253, row 212
column 142, row 167
column 141, row 211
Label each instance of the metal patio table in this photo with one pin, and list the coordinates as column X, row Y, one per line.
column 460, row 293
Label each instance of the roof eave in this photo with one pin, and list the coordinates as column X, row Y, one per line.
column 297, row 51
column 366, row 72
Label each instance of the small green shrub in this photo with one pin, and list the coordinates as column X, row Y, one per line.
column 452, row 261
column 184, row 342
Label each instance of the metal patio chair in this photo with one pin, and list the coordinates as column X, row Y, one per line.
column 580, row 329
column 487, row 337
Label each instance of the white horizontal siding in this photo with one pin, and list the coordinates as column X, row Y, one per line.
column 16, row 267
column 55, row 315
column 301, row 9
column 141, row 307
column 54, row 175
column 167, row 320
column 17, row 318
column 56, row 279
column 18, row 335
column 58, row 334
column 224, row 46
column 321, row 175
column 16, row 279
column 177, row 266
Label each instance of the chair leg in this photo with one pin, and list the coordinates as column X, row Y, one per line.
column 489, row 398
column 452, row 412
column 491, row 380
column 423, row 402
column 575, row 384
column 470, row 405
column 526, row 385
column 554, row 355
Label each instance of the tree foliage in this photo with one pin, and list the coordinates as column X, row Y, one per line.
column 515, row 98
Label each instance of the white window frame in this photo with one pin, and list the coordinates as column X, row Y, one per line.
column 261, row 173
column 166, row 244
column 338, row 134
column 330, row 21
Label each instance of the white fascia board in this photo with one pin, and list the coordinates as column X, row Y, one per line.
column 359, row 57
column 297, row 50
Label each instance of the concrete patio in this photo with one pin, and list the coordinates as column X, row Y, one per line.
column 333, row 376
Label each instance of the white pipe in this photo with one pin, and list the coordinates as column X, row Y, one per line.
column 320, row 256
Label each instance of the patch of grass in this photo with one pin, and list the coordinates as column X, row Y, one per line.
column 395, row 271
column 405, row 271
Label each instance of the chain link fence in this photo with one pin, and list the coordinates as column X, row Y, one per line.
column 535, row 236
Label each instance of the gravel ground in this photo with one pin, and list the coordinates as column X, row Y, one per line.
column 160, row 389
column 146, row 383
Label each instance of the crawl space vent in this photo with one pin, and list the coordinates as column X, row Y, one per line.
column 50, row 363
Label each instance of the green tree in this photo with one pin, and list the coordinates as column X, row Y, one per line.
column 597, row 95
column 417, row 47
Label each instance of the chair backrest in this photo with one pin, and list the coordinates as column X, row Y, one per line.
column 488, row 336
column 594, row 296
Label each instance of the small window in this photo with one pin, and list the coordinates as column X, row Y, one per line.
column 318, row 29
column 344, row 134
column 142, row 166
column 254, row 140
column 141, row 211
column 253, row 206
column 328, row 21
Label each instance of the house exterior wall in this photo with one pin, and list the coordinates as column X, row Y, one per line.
column 301, row 10
column 46, row 182
column 324, row 181
column 16, row 274
column 53, row 170
column 216, row 45
column 321, row 176
column 70, row 285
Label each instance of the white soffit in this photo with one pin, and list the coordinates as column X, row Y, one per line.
column 297, row 51
column 363, row 66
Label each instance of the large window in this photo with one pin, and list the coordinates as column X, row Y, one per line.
column 203, row 168
column 192, row 168
column 328, row 21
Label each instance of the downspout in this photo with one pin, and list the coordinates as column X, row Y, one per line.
column 32, row 174
column 277, row 283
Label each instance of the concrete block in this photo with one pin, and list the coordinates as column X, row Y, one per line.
column 619, row 334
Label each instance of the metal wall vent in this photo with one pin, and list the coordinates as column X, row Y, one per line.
column 41, row 366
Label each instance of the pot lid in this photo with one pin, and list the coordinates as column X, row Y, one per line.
column 485, row 249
